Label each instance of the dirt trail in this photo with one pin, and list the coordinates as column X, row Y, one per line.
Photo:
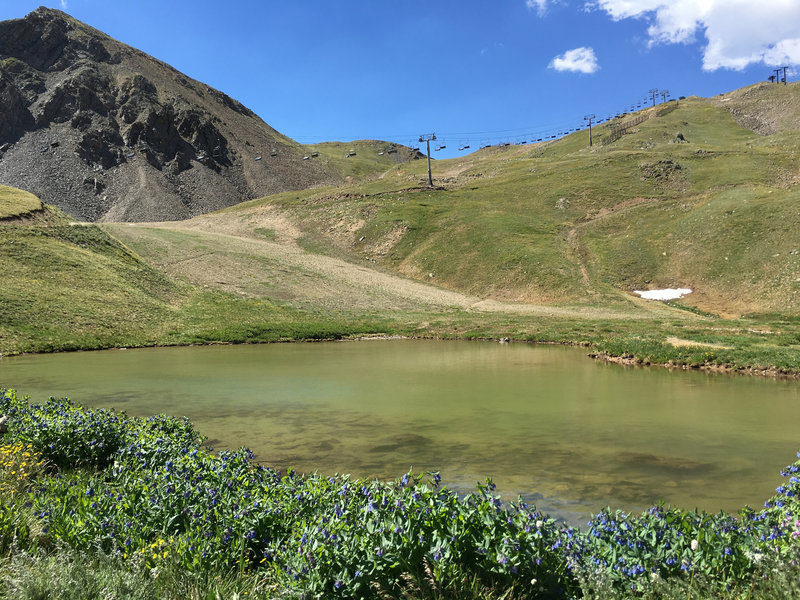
column 256, row 254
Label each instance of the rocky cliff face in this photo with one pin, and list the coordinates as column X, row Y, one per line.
column 105, row 132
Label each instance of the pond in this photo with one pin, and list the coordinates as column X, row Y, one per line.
column 546, row 422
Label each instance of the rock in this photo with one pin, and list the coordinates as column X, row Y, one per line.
column 38, row 39
column 3, row 424
column 15, row 118
column 101, row 147
column 660, row 170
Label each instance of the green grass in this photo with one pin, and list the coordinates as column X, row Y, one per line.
column 76, row 287
column 371, row 157
column 69, row 575
column 14, row 202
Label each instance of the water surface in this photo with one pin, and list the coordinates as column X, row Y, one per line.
column 545, row 422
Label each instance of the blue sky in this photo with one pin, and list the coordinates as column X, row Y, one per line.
column 474, row 72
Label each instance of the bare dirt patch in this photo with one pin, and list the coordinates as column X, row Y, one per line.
column 680, row 343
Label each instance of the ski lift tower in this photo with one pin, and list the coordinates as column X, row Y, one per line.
column 589, row 118
column 653, row 93
column 428, row 138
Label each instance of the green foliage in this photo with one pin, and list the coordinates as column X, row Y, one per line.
column 160, row 503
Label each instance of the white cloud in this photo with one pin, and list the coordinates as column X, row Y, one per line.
column 63, row 4
column 539, row 5
column 737, row 32
column 579, row 60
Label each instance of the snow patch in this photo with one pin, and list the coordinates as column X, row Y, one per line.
column 667, row 294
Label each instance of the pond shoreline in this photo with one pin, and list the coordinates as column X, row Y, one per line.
column 603, row 356
column 632, row 361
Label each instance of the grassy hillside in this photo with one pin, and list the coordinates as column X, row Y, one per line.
column 69, row 287
column 687, row 198
column 360, row 159
column 14, row 202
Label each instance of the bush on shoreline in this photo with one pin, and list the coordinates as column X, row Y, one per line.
column 146, row 493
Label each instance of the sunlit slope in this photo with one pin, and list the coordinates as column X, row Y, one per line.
column 73, row 286
column 361, row 159
column 14, row 202
column 687, row 198
column 68, row 287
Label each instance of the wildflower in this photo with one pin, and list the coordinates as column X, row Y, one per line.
column 694, row 545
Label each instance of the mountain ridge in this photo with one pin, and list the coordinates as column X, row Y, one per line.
column 108, row 133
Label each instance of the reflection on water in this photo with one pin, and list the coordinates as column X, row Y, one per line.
column 544, row 422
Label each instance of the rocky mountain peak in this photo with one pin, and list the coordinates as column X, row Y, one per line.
column 106, row 132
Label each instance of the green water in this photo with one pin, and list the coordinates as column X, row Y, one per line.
column 548, row 423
